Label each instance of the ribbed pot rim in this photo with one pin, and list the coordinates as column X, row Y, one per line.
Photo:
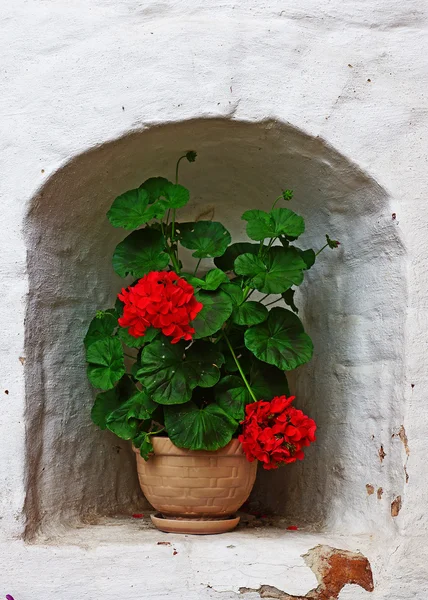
column 164, row 446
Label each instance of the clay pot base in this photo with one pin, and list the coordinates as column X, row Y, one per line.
column 194, row 526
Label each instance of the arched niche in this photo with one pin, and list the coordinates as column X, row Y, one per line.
column 352, row 305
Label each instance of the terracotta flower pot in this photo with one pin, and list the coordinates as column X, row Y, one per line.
column 196, row 491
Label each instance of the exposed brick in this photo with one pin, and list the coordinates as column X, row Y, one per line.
column 333, row 569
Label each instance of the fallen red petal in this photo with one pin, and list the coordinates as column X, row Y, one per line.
column 292, row 528
column 138, row 516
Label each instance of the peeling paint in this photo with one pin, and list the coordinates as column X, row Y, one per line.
column 406, row 474
column 333, row 569
column 379, row 493
column 370, row 489
column 396, row 506
column 403, row 437
column 381, row 453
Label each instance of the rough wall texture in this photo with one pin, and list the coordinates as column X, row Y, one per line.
column 84, row 84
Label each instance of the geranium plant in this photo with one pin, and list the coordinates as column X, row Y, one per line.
column 196, row 354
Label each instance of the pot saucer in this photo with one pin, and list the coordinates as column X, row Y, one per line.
column 194, row 526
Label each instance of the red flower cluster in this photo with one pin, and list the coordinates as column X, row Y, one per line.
column 162, row 300
column 275, row 432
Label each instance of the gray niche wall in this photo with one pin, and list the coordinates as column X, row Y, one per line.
column 352, row 304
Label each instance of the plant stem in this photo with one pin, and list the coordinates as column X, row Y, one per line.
column 273, row 302
column 323, row 248
column 244, row 379
column 270, row 243
column 173, row 226
column 176, row 167
column 156, row 432
column 174, row 261
column 197, row 267
column 275, row 203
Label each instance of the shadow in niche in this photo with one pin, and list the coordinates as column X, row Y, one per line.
column 77, row 472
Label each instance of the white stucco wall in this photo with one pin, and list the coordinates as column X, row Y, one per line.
column 336, row 92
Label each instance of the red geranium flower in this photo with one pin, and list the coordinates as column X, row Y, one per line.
column 162, row 300
column 275, row 432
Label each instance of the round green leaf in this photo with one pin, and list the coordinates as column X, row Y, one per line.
column 280, row 340
column 125, row 419
column 106, row 366
column 101, row 326
column 217, row 309
column 129, row 210
column 207, row 238
column 177, row 195
column 279, row 221
column 267, row 381
column 208, row 428
column 166, row 194
column 226, row 262
column 169, row 372
column 232, row 396
column 105, row 403
column 308, row 256
column 155, row 187
column 140, row 253
column 234, row 291
column 249, row 265
column 250, row 313
column 213, row 279
column 278, row 271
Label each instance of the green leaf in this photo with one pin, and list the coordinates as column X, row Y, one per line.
column 169, row 372
column 150, row 201
column 249, row 265
column 227, row 261
column 207, row 238
column 165, row 194
column 101, row 326
column 280, row 340
column 106, row 402
column 208, row 428
column 232, row 396
column 140, row 253
column 177, row 195
column 288, row 298
column 213, row 279
column 278, row 271
column 279, row 221
column 155, row 187
column 129, row 209
column 106, row 366
column 235, row 293
column 124, row 421
column 217, row 309
column 250, row 313
column 308, row 257
column 267, row 381
column 137, row 342
column 144, row 443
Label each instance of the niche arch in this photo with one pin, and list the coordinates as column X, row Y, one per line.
column 352, row 305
